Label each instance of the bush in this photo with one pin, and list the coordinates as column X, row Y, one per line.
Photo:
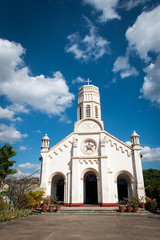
column 150, row 203
column 10, row 214
column 152, row 184
column 35, row 197
column 20, row 193
column 3, row 204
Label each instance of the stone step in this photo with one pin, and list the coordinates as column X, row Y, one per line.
column 99, row 211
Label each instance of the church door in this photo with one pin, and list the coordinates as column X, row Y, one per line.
column 60, row 189
column 91, row 189
column 122, row 189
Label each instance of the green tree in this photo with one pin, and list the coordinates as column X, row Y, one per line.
column 6, row 152
column 152, row 183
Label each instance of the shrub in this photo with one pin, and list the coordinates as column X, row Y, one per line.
column 35, row 197
column 3, row 204
column 21, row 195
column 10, row 214
column 150, row 203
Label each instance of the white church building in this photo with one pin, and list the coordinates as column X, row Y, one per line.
column 91, row 166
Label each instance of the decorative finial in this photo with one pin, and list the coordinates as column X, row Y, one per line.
column 88, row 81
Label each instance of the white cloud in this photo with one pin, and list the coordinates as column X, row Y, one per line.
column 49, row 95
column 8, row 134
column 78, row 80
column 38, row 131
column 29, row 166
column 106, row 8
column 150, row 154
column 10, row 59
column 122, row 65
column 5, row 113
column 21, row 174
column 151, row 85
column 90, row 48
column 128, row 5
column 144, row 35
column 113, row 81
column 22, row 148
column 17, row 108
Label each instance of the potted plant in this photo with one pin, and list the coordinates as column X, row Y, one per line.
column 46, row 203
column 134, row 202
column 121, row 205
column 141, row 203
column 44, row 207
column 51, row 206
column 127, row 203
column 129, row 206
column 58, row 203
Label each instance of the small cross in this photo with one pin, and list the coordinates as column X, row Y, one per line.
column 88, row 81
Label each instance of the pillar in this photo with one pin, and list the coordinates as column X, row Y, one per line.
column 136, row 152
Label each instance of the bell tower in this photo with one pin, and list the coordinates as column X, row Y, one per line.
column 88, row 102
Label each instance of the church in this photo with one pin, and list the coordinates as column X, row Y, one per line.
column 91, row 166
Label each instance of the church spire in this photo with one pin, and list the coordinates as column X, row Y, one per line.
column 89, row 102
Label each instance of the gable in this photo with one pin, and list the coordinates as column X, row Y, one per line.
column 88, row 125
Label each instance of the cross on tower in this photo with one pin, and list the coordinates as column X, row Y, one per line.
column 88, row 81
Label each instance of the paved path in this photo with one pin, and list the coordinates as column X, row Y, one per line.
column 74, row 227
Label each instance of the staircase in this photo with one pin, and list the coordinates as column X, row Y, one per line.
column 103, row 211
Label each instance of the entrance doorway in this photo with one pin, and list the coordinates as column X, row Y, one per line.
column 57, row 189
column 60, row 190
column 122, row 189
column 90, row 187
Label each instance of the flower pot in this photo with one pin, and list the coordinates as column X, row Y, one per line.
column 128, row 208
column 51, row 208
column 121, row 208
column 135, row 209
column 142, row 206
column 58, row 208
column 44, row 208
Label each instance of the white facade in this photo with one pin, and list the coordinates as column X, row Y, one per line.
column 90, row 165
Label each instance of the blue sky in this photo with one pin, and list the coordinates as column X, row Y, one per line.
column 49, row 48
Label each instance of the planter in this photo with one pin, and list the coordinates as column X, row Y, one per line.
column 44, row 208
column 121, row 208
column 58, row 208
column 135, row 209
column 142, row 206
column 51, row 208
column 128, row 208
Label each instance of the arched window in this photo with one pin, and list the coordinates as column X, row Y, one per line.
column 88, row 111
column 96, row 112
column 80, row 113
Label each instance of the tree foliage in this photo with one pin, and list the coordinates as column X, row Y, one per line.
column 21, row 194
column 152, row 183
column 6, row 152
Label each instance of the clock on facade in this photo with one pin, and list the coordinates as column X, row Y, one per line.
column 89, row 146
